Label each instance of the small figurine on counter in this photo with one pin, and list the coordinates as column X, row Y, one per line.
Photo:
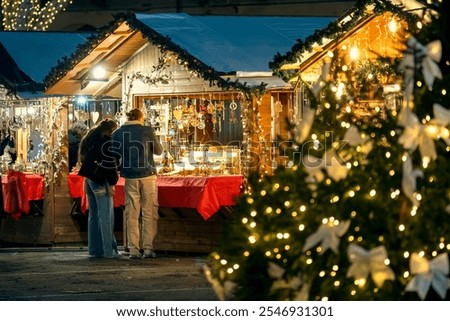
column 7, row 144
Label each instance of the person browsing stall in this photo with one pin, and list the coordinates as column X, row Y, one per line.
column 98, row 166
column 136, row 144
column 75, row 134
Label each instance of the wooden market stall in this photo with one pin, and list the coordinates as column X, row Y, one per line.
column 32, row 166
column 356, row 41
column 207, row 89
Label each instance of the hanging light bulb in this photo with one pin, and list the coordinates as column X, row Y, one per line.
column 392, row 25
column 354, row 53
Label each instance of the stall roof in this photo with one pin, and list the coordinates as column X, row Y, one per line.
column 34, row 53
column 211, row 45
column 233, row 43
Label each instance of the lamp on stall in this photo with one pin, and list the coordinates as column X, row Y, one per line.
column 98, row 73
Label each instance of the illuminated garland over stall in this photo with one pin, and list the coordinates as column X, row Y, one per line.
column 335, row 30
column 30, row 14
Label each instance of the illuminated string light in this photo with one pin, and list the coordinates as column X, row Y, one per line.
column 29, row 15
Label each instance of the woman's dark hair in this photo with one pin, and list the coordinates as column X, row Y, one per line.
column 96, row 134
column 106, row 127
column 134, row 114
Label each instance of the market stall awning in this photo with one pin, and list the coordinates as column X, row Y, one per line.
column 34, row 54
column 213, row 46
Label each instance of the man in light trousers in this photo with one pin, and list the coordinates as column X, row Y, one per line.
column 136, row 144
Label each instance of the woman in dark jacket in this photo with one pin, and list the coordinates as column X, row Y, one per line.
column 98, row 166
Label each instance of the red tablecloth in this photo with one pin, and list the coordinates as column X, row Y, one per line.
column 206, row 194
column 19, row 189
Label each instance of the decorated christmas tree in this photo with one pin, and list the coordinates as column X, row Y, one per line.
column 361, row 211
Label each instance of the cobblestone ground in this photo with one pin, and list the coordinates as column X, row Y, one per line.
column 69, row 274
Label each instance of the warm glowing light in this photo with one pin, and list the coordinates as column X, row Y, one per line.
column 360, row 282
column 31, row 15
column 392, row 25
column 354, row 53
column 99, row 72
column 432, row 131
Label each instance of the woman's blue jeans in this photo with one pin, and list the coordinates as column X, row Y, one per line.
column 101, row 239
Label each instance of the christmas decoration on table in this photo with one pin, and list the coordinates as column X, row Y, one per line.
column 361, row 211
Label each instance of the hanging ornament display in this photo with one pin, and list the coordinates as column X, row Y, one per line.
column 94, row 116
column 233, row 107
